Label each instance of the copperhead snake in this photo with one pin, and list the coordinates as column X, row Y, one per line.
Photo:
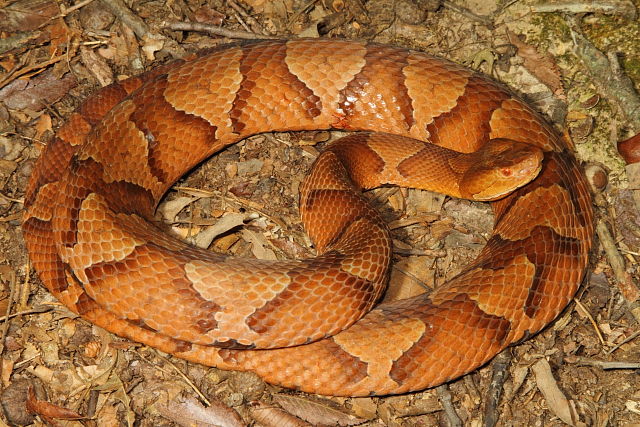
column 91, row 199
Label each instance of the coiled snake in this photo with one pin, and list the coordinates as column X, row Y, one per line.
column 93, row 192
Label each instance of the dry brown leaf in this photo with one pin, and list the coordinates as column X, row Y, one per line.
column 13, row 400
column 208, row 15
column 633, row 175
column 630, row 149
column 410, row 277
column 171, row 208
column 541, row 65
column 7, row 167
column 59, row 35
column 270, row 416
column 290, row 247
column 188, row 412
column 8, row 63
column 259, row 245
column 556, row 400
column 97, row 66
column 151, row 44
column 36, row 93
column 420, row 202
column 226, row 223
column 49, row 411
column 364, row 407
column 43, row 124
column 26, row 15
column 108, row 416
column 256, row 5
column 6, row 371
column 316, row 413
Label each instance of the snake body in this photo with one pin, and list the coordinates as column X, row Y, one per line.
column 91, row 200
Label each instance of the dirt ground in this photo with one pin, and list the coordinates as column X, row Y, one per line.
column 581, row 370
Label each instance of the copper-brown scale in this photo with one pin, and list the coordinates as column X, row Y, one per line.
column 95, row 187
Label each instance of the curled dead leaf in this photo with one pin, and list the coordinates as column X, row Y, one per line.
column 629, row 149
column 188, row 412
column 556, row 400
column 49, row 411
column 541, row 65
column 316, row 413
column 271, row 416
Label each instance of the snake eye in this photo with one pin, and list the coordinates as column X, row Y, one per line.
column 506, row 172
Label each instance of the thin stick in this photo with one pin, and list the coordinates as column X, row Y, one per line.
column 130, row 19
column 73, row 8
column 467, row 13
column 212, row 29
column 606, row 365
column 591, row 320
column 500, row 365
column 445, row 398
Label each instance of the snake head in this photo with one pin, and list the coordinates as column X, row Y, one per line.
column 500, row 167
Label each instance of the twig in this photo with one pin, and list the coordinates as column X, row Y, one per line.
column 583, row 361
column 30, row 68
column 299, row 12
column 5, row 320
column 413, row 277
column 212, row 29
column 71, row 9
column 585, row 312
column 500, row 365
column 35, row 310
column 626, row 340
column 436, row 253
column 25, row 289
column 624, row 281
column 10, row 199
column 131, row 20
column 620, row 8
column 253, row 22
column 11, row 74
column 18, row 40
column 606, row 74
column 467, row 13
column 445, row 398
column 241, row 22
column 186, row 379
